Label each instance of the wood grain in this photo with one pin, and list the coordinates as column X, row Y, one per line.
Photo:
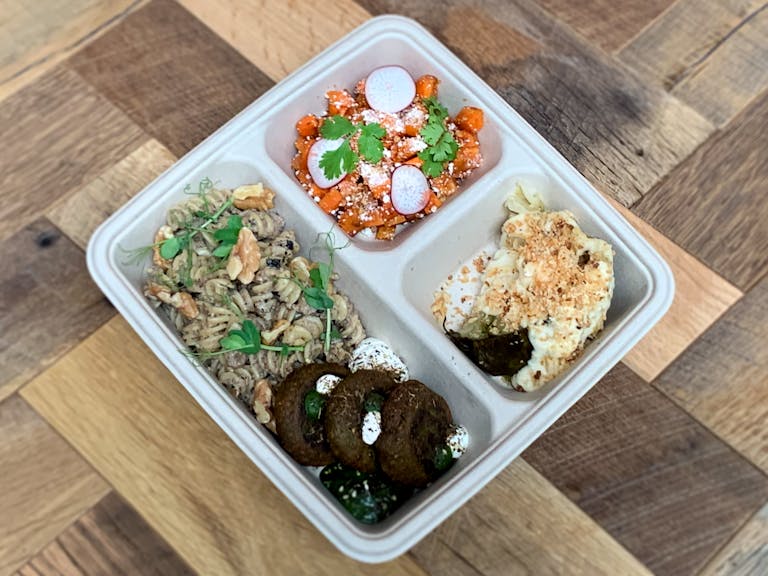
column 151, row 441
column 48, row 302
column 713, row 204
column 658, row 481
column 271, row 34
column 170, row 74
column 621, row 133
column 64, row 134
column 747, row 553
column 520, row 524
column 733, row 74
column 722, row 379
column 710, row 53
column 111, row 538
column 78, row 214
column 35, row 36
column 602, row 24
column 701, row 296
column 44, row 485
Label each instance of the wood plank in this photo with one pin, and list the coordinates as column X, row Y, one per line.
column 602, row 24
column 701, row 296
column 36, row 36
column 623, row 134
column 722, row 379
column 111, row 538
column 735, row 72
column 746, row 553
column 79, row 214
column 171, row 74
column 713, row 204
column 269, row 34
column 521, row 524
column 710, row 53
column 64, row 134
column 658, row 481
column 190, row 482
column 44, row 486
column 48, row 302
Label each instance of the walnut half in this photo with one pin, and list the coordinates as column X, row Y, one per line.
column 182, row 301
column 245, row 257
column 253, row 196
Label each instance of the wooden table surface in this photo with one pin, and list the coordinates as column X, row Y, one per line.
column 107, row 466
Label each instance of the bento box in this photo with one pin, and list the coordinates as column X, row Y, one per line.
column 392, row 283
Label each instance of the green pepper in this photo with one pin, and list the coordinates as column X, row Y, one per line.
column 443, row 458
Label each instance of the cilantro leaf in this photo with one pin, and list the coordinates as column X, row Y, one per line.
column 437, row 112
column 340, row 161
column 369, row 144
column 233, row 342
column 431, row 133
column 430, row 168
column 336, row 127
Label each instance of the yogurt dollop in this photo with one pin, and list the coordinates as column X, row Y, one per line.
column 374, row 354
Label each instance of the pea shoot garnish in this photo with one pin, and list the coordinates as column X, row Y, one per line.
column 246, row 340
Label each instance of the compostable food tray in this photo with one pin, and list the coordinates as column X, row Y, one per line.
column 392, row 283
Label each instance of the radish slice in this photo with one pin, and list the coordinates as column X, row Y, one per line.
column 389, row 89
column 410, row 190
column 313, row 162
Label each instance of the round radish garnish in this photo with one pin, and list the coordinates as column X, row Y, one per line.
column 389, row 89
column 313, row 162
column 410, row 190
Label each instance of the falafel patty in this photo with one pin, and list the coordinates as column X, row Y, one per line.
column 302, row 437
column 344, row 413
column 414, row 424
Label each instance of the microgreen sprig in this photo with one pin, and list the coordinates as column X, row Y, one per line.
column 246, row 340
column 343, row 159
column 316, row 293
column 441, row 146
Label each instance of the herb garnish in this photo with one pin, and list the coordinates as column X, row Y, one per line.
column 343, row 160
column 227, row 236
column 248, row 341
column 441, row 146
column 316, row 293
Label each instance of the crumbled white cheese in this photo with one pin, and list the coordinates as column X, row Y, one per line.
column 371, row 426
column 458, row 440
column 326, row 383
column 373, row 354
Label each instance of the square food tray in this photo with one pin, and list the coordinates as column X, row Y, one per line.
column 392, row 284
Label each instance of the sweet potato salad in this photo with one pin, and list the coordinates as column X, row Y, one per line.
column 387, row 153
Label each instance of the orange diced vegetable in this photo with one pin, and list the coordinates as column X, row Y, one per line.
column 379, row 191
column 432, row 204
column 385, row 232
column 467, row 159
column 331, row 200
column 349, row 221
column 339, row 102
column 308, row 125
column 426, row 86
column 470, row 119
column 415, row 161
column 445, row 185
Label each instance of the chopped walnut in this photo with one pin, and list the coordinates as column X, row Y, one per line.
column 182, row 301
column 262, row 402
column 244, row 258
column 164, row 233
column 253, row 196
column 270, row 336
